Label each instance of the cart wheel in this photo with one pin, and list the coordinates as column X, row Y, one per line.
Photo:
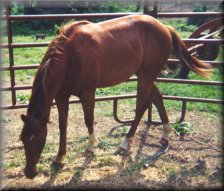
column 207, row 52
column 177, row 70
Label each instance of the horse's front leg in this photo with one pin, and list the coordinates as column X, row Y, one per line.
column 88, row 102
column 62, row 102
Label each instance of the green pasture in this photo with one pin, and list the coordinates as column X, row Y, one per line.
column 26, row 56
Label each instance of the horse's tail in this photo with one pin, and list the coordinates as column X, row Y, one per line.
column 181, row 52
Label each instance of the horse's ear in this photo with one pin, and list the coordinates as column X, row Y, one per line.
column 24, row 118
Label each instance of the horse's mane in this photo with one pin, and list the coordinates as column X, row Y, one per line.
column 38, row 101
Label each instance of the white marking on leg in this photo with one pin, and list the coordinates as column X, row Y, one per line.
column 166, row 131
column 92, row 143
column 127, row 144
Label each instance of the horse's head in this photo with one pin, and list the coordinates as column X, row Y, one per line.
column 33, row 137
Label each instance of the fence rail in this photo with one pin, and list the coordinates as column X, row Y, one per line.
column 12, row 68
column 110, row 15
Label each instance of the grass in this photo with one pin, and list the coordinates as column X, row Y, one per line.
column 106, row 161
column 82, row 139
column 78, row 173
column 4, row 119
column 16, row 161
column 21, row 98
column 13, row 164
column 180, row 26
column 170, row 171
column 105, row 144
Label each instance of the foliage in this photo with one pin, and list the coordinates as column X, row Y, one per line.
column 200, row 20
column 182, row 128
column 21, row 98
column 185, row 30
column 49, row 26
column 82, row 139
column 105, row 144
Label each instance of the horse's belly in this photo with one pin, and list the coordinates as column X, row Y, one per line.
column 120, row 61
column 112, row 80
column 118, row 75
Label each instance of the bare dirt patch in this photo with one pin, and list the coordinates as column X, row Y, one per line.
column 195, row 162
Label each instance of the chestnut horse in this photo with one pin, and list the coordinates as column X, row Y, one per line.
column 86, row 56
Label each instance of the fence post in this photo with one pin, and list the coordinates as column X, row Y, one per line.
column 146, row 7
column 11, row 55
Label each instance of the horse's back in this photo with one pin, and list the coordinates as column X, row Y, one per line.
column 112, row 51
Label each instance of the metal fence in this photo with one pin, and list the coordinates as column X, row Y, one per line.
column 13, row 88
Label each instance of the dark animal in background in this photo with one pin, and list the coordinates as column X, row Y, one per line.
column 40, row 36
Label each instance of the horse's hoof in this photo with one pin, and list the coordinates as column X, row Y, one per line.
column 164, row 142
column 88, row 153
column 57, row 166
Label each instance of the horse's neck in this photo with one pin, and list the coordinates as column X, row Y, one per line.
column 48, row 80
column 40, row 102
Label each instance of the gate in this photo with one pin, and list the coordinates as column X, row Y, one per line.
column 13, row 87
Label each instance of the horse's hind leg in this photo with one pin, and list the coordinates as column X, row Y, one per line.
column 142, row 102
column 62, row 102
column 158, row 102
column 88, row 102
